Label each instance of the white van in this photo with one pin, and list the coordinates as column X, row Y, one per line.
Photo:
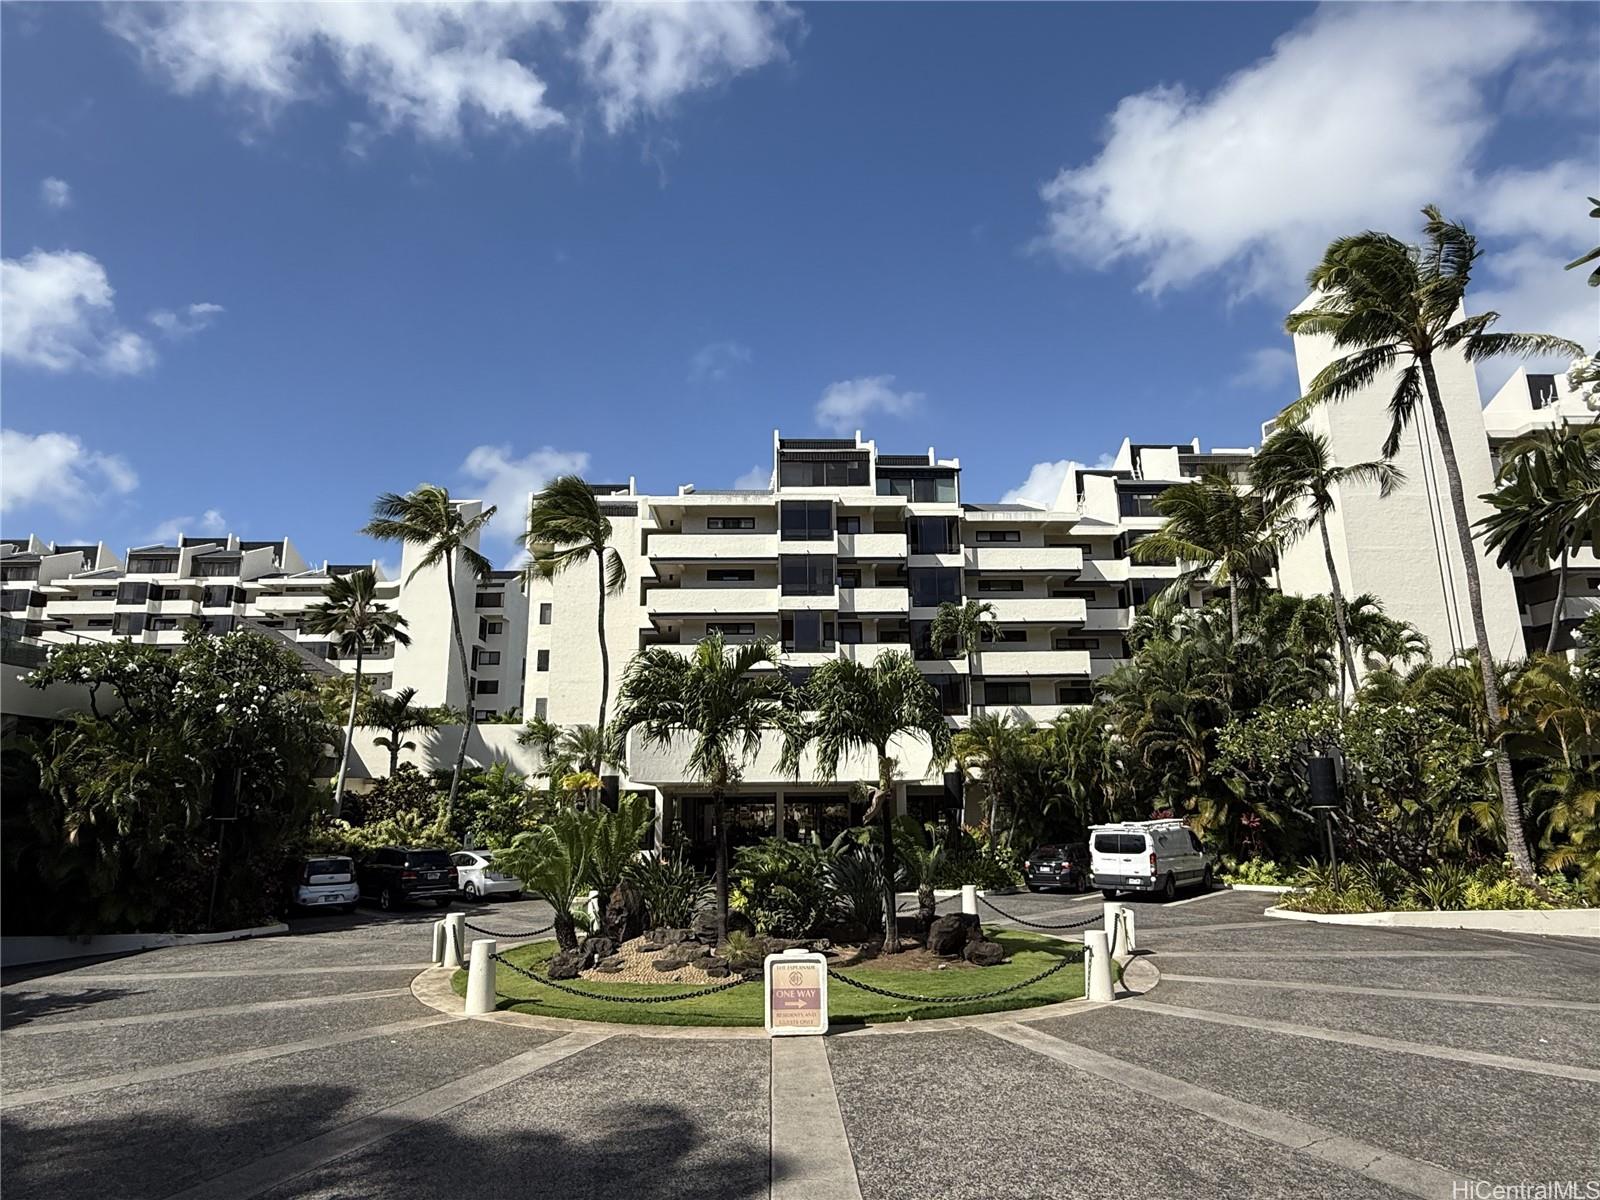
column 1146, row 856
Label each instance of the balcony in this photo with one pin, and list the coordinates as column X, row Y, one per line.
column 874, row 600
column 872, row 545
column 713, row 545
column 713, row 601
column 868, row 653
column 80, row 608
column 1051, row 609
column 1104, row 570
column 175, row 608
column 1107, row 620
column 1058, row 560
column 1038, row 714
column 284, row 604
column 1033, row 662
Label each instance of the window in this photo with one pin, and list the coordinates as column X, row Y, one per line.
column 849, row 578
column 989, row 633
column 491, row 600
column 952, row 694
column 487, row 687
column 99, row 623
column 133, row 593
column 128, row 624
column 544, row 613
column 925, row 487
column 216, row 596
column 849, row 524
column 541, row 706
column 152, row 564
column 730, row 522
column 103, row 594
column 931, row 535
column 13, row 599
column 1119, row 843
column 999, row 535
column 731, row 575
column 999, row 585
column 1077, row 643
column 1074, row 693
column 1007, row 693
column 850, row 633
column 14, row 572
column 488, row 628
column 806, row 574
column 541, row 661
column 847, row 471
column 807, row 631
column 486, row 658
column 805, row 521
column 1137, row 504
column 213, row 568
column 732, row 628
column 933, row 586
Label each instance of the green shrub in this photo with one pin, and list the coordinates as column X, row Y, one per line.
column 406, row 793
column 855, row 878
column 672, row 891
column 783, row 887
column 970, row 857
column 359, row 841
column 1261, row 872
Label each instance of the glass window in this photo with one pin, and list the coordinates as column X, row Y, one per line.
column 129, row 624
column 806, row 574
column 1137, row 504
column 491, row 599
column 149, row 564
column 731, row 575
column 542, row 661
column 952, row 693
column 13, row 600
column 999, row 585
column 850, row 632
column 541, row 706
column 931, row 535
column 1074, row 693
column 487, row 687
column 801, row 472
column 1007, row 692
column 849, row 577
column 923, row 487
column 1119, row 843
column 19, row 571
column 544, row 613
column 805, row 520
column 933, row 586
column 487, row 658
column 730, row 522
column 133, row 593
column 999, row 535
column 215, row 568
column 849, row 524
column 806, row 632
column 732, row 628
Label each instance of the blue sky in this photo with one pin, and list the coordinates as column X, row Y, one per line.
column 263, row 263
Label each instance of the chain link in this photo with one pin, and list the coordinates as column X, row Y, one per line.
column 1015, row 987
column 509, row 936
column 561, row 987
column 1040, row 924
column 910, row 904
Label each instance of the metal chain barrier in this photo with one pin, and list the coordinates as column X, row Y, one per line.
column 1066, row 961
column 561, row 987
column 510, row 937
column 910, row 904
column 1097, row 917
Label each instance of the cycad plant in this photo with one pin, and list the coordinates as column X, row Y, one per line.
column 554, row 865
column 352, row 612
column 1392, row 307
column 921, row 850
column 434, row 524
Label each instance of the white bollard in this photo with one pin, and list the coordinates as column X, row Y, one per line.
column 1097, row 966
column 1130, row 936
column 1113, row 913
column 455, row 940
column 439, row 935
column 480, row 978
column 969, row 899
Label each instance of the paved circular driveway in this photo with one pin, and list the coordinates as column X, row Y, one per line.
column 1273, row 1059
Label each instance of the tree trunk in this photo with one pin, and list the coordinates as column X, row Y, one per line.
column 1338, row 612
column 466, row 672
column 349, row 735
column 891, row 931
column 394, row 752
column 566, row 928
column 1561, row 603
column 719, row 814
column 926, row 905
column 1510, row 805
column 1233, row 607
column 605, row 655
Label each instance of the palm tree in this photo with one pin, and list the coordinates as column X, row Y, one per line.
column 922, row 850
column 1389, row 305
column 1219, row 529
column 1547, row 505
column 859, row 707
column 565, row 528
column 1296, row 466
column 1384, row 640
column 960, row 628
column 428, row 519
column 353, row 613
column 397, row 716
column 723, row 701
column 986, row 750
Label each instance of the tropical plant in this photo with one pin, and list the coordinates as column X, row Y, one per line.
column 406, row 791
column 614, row 841
column 782, row 887
column 722, row 701
column 672, row 890
column 566, row 527
column 1296, row 467
column 921, row 850
column 1384, row 642
column 856, row 883
column 494, row 806
column 962, row 629
column 553, row 863
column 990, row 752
column 1387, row 305
column 1581, row 260
column 856, row 707
column 398, row 715
column 430, row 521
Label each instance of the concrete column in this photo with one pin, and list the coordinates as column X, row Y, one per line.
column 480, row 978
column 1097, row 966
column 455, row 941
column 439, row 935
column 969, row 898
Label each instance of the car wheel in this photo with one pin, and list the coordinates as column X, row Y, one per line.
column 443, row 901
column 470, row 890
column 1169, row 887
column 516, row 895
column 386, row 900
column 1109, row 893
column 1033, row 887
column 1082, row 886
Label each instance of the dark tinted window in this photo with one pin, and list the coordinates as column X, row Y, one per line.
column 933, row 586
column 1119, row 843
column 428, row 860
column 1045, row 852
column 806, row 574
column 805, row 520
column 390, row 858
column 328, row 866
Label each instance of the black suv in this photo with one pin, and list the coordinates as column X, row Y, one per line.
column 1057, row 867
column 398, row 875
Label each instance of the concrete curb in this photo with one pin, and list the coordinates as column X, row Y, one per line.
column 23, row 951
column 1274, row 888
column 1558, row 922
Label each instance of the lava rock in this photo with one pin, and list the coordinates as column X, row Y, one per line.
column 624, row 915
column 984, row 954
column 948, row 935
column 609, row 967
column 669, row 964
column 718, row 970
column 658, row 939
column 564, row 964
column 593, row 949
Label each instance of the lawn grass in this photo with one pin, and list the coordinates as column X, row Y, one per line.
column 1029, row 954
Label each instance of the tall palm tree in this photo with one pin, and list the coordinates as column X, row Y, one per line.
column 985, row 751
column 859, row 707
column 1547, row 505
column 352, row 612
column 1390, row 305
column 723, row 701
column 1297, row 466
column 565, row 528
column 428, row 519
column 1383, row 640
column 960, row 627
column 1220, row 530
column 398, row 715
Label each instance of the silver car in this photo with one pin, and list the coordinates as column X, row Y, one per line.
column 477, row 878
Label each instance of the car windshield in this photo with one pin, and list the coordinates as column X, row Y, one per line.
column 429, row 860
column 1045, row 852
column 1119, row 843
column 327, row 866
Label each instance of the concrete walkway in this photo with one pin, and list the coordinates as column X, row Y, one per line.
column 1273, row 1059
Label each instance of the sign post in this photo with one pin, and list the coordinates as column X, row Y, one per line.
column 797, row 993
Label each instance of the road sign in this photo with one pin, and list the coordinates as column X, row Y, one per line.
column 797, row 993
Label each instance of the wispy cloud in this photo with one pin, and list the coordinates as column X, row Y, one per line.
column 56, row 471
column 757, row 478
column 1265, row 369
column 210, row 523
column 846, row 405
column 716, row 361
column 186, row 322
column 55, row 193
column 57, row 314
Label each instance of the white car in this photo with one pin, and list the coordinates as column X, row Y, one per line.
column 327, row 881
column 477, row 878
column 1147, row 856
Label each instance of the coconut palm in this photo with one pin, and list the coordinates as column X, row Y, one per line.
column 566, row 528
column 398, row 715
column 1547, row 505
column 1296, row 466
column 960, row 628
column 433, row 523
column 723, row 701
column 1388, row 305
column 986, row 752
column 857, row 707
column 1216, row 529
column 352, row 612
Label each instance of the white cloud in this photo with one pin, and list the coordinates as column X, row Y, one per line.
column 716, row 361
column 1265, row 369
column 1546, row 203
column 1532, row 293
column 505, row 481
column 1043, row 483
column 1355, row 119
column 55, row 193
column 210, row 523
column 846, row 404
column 639, row 58
column 185, row 322
column 56, row 313
column 426, row 67
column 756, row 479
column 56, row 471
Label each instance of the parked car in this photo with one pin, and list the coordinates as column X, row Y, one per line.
column 1147, row 856
column 397, row 875
column 1057, row 867
column 476, row 876
column 324, row 881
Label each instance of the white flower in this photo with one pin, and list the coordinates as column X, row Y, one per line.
column 220, row 707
